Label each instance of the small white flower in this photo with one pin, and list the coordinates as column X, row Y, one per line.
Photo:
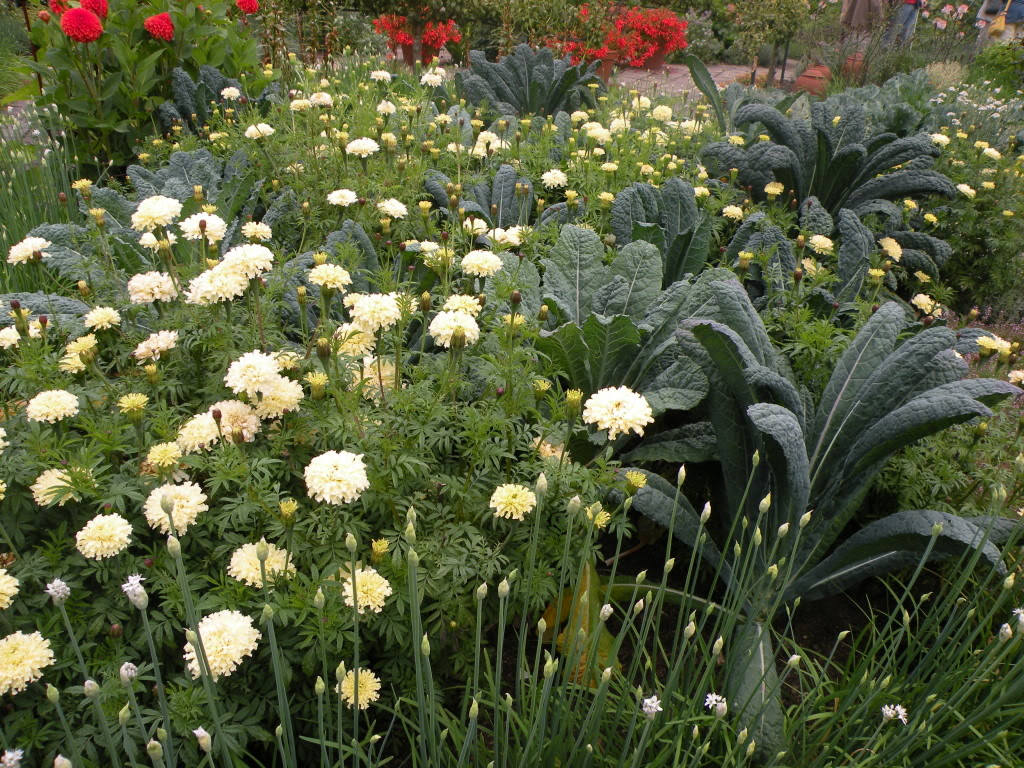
column 894, row 712
column 716, row 704
column 342, row 197
column 651, row 707
column 128, row 673
column 58, row 591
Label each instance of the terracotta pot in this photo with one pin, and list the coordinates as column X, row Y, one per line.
column 407, row 53
column 429, row 53
column 605, row 65
column 854, row 64
column 813, row 80
column 657, row 60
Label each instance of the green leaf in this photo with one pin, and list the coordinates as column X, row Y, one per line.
column 690, row 443
column 707, row 85
column 573, row 272
column 786, row 455
column 639, row 264
column 679, row 387
column 752, row 687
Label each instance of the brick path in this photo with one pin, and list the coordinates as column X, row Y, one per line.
column 675, row 78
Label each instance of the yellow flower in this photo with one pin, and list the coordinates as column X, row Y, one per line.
column 737, row 141
column 909, row 204
column 164, row 455
column 379, row 548
column 733, row 212
column 891, row 248
column 922, row 276
column 774, row 189
column 513, row 502
column 931, row 218
column 988, row 185
column 636, row 479
column 133, row 402
column 820, row 244
column 597, row 515
column 371, row 590
column 517, row 320
column 369, row 688
column 1008, row 213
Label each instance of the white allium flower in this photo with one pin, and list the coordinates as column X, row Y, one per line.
column 135, row 592
column 58, row 590
column 716, row 704
column 342, row 197
column 651, row 707
column 11, row 758
column 894, row 712
column 128, row 673
column 336, row 477
column 156, row 211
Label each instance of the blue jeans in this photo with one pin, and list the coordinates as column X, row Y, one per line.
column 904, row 21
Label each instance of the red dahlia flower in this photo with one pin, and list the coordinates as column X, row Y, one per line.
column 99, row 7
column 160, row 26
column 81, row 25
column 58, row 7
column 248, row 6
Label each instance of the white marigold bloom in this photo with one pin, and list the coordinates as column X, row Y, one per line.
column 352, row 341
column 278, row 397
column 662, row 112
column 230, row 93
column 215, row 285
column 894, row 712
column 23, row 657
column 1016, row 377
column 251, row 373
column 386, row 108
column 651, row 707
column 52, row 405
column 102, row 318
column 245, row 565
column 336, row 477
column 380, row 76
column 321, row 99
column 237, row 419
column 369, row 688
column 939, row 139
column 8, row 589
column 9, row 337
column 820, row 244
column 189, row 502
column 597, row 132
column 250, row 259
column 924, row 302
column 370, row 592
column 362, row 148
column 481, row 263
column 22, row 252
column 891, row 248
column 198, row 433
column 151, row 286
column 154, row 346
column 460, row 303
column 3, row 439
column 578, row 116
column 156, row 211
column 475, row 226
column 342, row 197
column 376, row 377
column 966, row 190
column 445, row 325
column 619, row 125
column 512, row 236
column 432, row 78
column 300, row 105
column 228, row 637
column 554, row 179
column 330, row 276
column 53, row 485
column 992, row 152
column 192, row 228
column 512, row 502
column 393, row 208
column 716, row 704
column 258, row 131
column 372, row 312
column 148, row 240
column 734, row 212
column 104, row 536
column 257, row 230
column 619, row 410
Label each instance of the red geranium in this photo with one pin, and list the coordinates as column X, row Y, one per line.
column 437, row 35
column 160, row 26
column 248, row 6
column 642, row 32
column 81, row 25
column 99, row 7
column 393, row 25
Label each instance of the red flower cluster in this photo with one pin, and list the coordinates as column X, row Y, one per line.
column 248, row 6
column 641, row 32
column 160, row 26
column 393, row 25
column 58, row 7
column 437, row 35
column 99, row 7
column 81, row 25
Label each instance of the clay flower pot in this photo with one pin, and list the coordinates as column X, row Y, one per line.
column 813, row 80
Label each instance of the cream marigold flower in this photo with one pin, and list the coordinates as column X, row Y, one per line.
column 188, row 501
column 939, row 139
column 104, row 536
column 597, row 515
column 102, row 318
column 380, row 76
column 164, row 455
column 228, row 637
column 447, row 324
column 154, row 346
column 461, row 303
column 512, row 502
column 155, row 212
column 733, row 212
column 53, row 485
column 966, row 190
column 362, row 148
column 336, row 477
column 891, row 248
column 23, row 657
column 251, row 373
column 249, row 259
column 371, row 590
column 257, row 230
column 245, row 564
column 662, row 112
column 330, row 276
column 481, row 263
column 220, row 283
column 52, row 405
column 369, row 688
column 352, row 341
column 432, row 78
column 321, row 99
column 376, row 377
column 619, row 410
column 237, row 420
column 259, row 131
column 151, row 286
column 554, row 179
column 23, row 252
column 230, row 93
column 203, row 226
column 924, row 302
column 372, row 312
column 393, row 208
column 278, row 397
column 9, row 337
column 774, row 188
column 342, row 197
column 198, row 433
column 8, row 589
column 992, row 343
column 820, row 244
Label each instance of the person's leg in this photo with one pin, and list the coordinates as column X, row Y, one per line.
column 908, row 21
column 895, row 24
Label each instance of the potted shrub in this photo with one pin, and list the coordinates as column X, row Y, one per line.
column 646, row 36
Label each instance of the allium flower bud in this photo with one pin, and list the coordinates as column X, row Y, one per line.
column 90, row 688
column 717, row 647
column 268, row 613
column 542, row 484
column 690, row 630
column 174, row 546
column 350, row 543
column 705, row 513
column 262, row 550
column 61, row 762
column 123, row 715
column 542, row 627
column 128, row 673
column 425, row 645
column 318, row 599
column 52, row 694
column 573, row 506
column 204, row 739
column 503, row 589
column 783, row 530
column 155, row 750
column 481, row 591
column 805, row 518
column 319, row 686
